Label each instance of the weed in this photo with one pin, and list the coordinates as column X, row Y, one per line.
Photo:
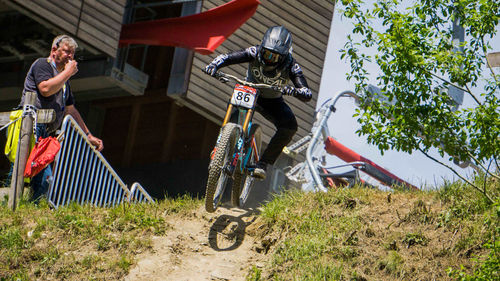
column 18, row 276
column 89, row 261
column 391, row 246
column 464, row 202
column 347, row 253
column 415, row 239
column 392, row 263
column 11, row 240
column 124, row 263
column 103, row 244
column 254, row 274
column 182, row 204
column 355, row 276
column 47, row 257
column 487, row 266
column 277, row 209
column 324, row 272
column 419, row 213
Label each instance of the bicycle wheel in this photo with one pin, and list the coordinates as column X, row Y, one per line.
column 246, row 182
column 217, row 177
column 239, row 177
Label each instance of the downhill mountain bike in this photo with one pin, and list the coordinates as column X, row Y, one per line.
column 236, row 151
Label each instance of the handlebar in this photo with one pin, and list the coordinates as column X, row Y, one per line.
column 224, row 78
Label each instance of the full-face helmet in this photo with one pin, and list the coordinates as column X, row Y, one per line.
column 275, row 47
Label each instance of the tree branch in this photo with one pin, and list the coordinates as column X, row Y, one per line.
column 460, row 176
column 482, row 166
column 471, row 155
column 452, row 84
column 486, row 176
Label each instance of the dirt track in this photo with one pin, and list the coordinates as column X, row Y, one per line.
column 201, row 246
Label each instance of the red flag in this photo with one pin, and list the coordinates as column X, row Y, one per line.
column 202, row 32
column 41, row 156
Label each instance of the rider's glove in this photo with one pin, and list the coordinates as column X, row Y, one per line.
column 303, row 94
column 218, row 62
column 211, row 69
column 288, row 91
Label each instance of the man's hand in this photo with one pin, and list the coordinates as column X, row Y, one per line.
column 71, row 66
column 288, row 91
column 96, row 142
column 211, row 69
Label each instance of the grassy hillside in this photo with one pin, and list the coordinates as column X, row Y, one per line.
column 345, row 234
column 80, row 242
column 362, row 234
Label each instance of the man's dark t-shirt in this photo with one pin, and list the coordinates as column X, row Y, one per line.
column 41, row 70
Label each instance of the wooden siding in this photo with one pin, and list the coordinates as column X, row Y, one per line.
column 309, row 22
column 95, row 22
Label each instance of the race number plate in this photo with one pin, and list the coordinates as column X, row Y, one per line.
column 243, row 96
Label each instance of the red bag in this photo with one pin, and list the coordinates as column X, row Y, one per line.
column 41, row 156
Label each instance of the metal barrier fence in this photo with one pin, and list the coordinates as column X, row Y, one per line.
column 81, row 174
column 138, row 194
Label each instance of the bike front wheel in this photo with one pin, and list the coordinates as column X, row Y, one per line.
column 217, row 170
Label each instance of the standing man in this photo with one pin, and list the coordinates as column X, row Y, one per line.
column 271, row 63
column 48, row 77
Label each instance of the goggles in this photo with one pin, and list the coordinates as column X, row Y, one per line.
column 270, row 57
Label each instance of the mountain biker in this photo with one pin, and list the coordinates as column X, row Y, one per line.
column 271, row 63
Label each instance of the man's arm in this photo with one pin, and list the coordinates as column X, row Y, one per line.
column 241, row 56
column 53, row 85
column 303, row 92
column 71, row 110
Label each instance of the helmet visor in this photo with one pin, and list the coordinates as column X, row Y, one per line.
column 269, row 57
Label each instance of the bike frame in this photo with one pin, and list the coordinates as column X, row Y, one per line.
column 245, row 116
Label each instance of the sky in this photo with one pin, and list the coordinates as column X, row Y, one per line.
column 416, row 168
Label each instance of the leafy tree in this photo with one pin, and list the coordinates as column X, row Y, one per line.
column 418, row 62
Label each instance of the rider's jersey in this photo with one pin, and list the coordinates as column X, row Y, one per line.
column 288, row 70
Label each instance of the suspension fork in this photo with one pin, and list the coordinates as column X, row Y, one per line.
column 228, row 114
column 248, row 117
column 247, row 121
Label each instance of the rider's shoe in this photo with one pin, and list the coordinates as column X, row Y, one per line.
column 260, row 170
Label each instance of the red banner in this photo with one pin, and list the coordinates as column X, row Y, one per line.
column 202, row 32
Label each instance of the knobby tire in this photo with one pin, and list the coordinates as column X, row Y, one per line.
column 217, row 179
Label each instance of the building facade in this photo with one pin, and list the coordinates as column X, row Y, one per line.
column 155, row 110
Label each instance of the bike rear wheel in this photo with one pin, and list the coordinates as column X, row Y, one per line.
column 243, row 183
column 217, row 176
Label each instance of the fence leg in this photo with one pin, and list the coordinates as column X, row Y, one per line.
column 17, row 181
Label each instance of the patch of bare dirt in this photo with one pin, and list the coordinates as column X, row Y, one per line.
column 202, row 246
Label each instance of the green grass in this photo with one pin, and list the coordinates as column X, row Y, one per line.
column 332, row 236
column 345, row 234
column 80, row 242
column 312, row 226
